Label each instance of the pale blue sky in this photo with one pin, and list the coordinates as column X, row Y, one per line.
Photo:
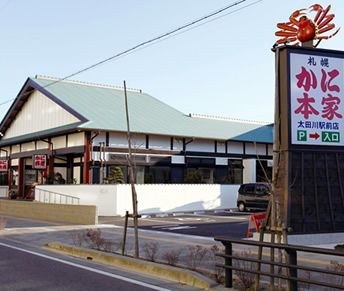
column 222, row 68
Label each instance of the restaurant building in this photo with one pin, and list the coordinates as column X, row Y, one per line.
column 59, row 131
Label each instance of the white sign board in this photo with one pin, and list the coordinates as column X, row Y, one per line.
column 316, row 100
column 40, row 162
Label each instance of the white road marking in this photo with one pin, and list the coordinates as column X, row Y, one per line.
column 189, row 219
column 165, row 226
column 224, row 217
column 156, row 220
column 173, row 227
column 88, row 268
column 180, row 227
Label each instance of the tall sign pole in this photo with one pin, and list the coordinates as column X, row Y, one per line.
column 309, row 121
column 311, row 175
column 308, row 132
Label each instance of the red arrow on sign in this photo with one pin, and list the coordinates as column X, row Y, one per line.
column 315, row 135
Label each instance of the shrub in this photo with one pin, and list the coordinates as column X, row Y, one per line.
column 218, row 271
column 247, row 279
column 194, row 178
column 94, row 238
column 151, row 250
column 339, row 247
column 116, row 176
column 54, row 178
column 3, row 222
column 196, row 256
column 172, row 257
column 77, row 238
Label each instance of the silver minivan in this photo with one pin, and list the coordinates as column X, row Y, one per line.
column 253, row 196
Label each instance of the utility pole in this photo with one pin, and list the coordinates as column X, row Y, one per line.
column 133, row 190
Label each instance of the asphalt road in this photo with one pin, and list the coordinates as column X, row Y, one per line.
column 170, row 232
column 27, row 270
column 25, row 265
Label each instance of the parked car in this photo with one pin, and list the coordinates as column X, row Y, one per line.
column 253, row 196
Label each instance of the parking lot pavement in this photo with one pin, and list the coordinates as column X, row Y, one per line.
column 223, row 224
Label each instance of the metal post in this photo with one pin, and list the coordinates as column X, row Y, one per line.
column 125, row 231
column 228, row 262
column 272, row 250
column 104, row 163
column 292, row 260
column 260, row 248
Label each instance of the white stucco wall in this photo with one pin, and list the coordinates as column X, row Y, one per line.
column 207, row 146
column 115, row 200
column 235, row 147
column 76, row 139
column 3, row 191
column 221, row 147
column 254, row 149
column 32, row 119
column 29, row 146
column 59, row 142
column 159, row 142
column 249, row 173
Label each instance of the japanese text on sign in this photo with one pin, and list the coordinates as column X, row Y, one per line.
column 3, row 165
column 39, row 161
column 316, row 99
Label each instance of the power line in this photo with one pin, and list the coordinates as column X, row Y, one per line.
column 159, row 38
column 190, row 28
column 3, row 103
column 155, row 39
column 4, row 6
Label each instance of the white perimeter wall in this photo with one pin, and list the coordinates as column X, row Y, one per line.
column 115, row 200
column 249, row 174
column 3, row 191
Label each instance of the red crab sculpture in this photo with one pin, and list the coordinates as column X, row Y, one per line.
column 305, row 28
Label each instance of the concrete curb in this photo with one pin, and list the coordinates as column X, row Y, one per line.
column 189, row 278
